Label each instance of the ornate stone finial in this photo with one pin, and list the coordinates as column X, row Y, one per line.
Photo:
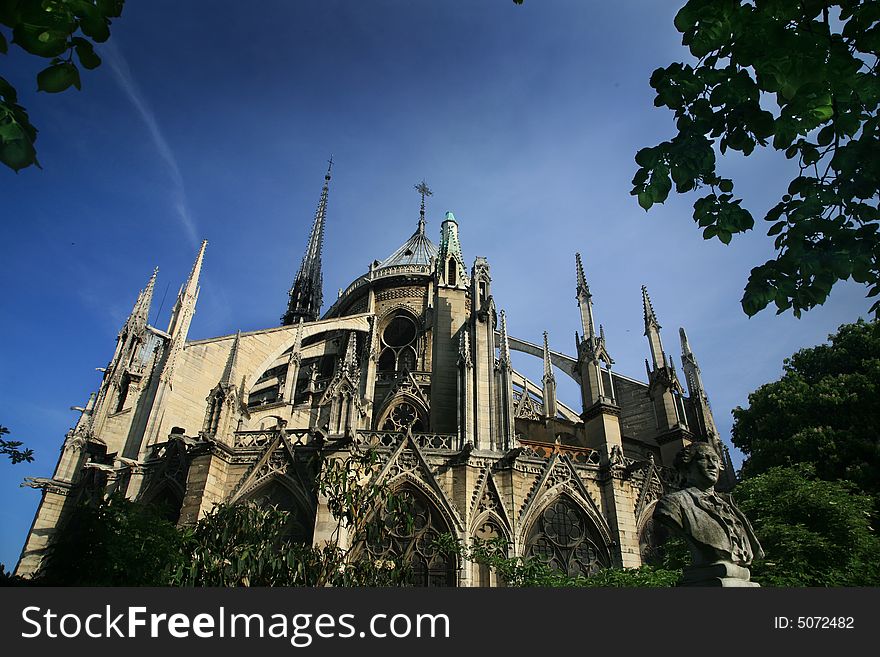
column 582, row 287
column 504, row 358
column 720, row 537
column 650, row 315
column 548, row 366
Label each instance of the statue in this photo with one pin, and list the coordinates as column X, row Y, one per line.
column 721, row 540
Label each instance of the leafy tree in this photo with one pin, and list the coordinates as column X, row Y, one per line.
column 799, row 76
column 245, row 545
column 115, row 542
column 55, row 30
column 12, row 449
column 825, row 411
column 531, row 571
column 814, row 532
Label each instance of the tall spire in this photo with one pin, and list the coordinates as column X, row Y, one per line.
column 185, row 306
column 585, row 300
column 228, row 377
column 450, row 263
column 140, row 314
column 504, row 356
column 307, row 293
column 652, row 331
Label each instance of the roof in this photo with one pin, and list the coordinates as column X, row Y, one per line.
column 417, row 250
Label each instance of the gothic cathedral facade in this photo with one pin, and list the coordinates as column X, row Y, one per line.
column 412, row 360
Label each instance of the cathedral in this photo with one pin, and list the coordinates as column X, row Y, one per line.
column 412, row 360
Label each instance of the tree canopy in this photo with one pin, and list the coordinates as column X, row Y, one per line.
column 825, row 411
column 800, row 77
column 814, row 532
column 54, row 30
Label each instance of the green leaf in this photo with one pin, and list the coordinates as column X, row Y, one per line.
column 726, row 185
column 646, row 200
column 39, row 40
column 86, row 53
column 58, row 77
column 95, row 26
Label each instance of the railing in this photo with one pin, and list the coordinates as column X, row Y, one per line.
column 392, row 438
column 262, row 437
column 582, row 455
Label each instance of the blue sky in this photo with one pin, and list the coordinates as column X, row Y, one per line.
column 210, row 121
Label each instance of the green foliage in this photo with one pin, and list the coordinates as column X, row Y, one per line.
column 12, row 449
column 245, row 545
column 814, row 532
column 50, row 29
column 800, row 77
column 825, row 411
column 530, row 571
column 115, row 542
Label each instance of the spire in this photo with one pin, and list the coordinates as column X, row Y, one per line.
column 548, row 367
column 228, row 377
column 422, row 188
column 652, row 331
column 549, row 382
column 690, row 366
column 450, row 262
column 350, row 363
column 307, row 293
column 504, row 357
column 185, row 306
column 145, row 299
column 140, row 313
column 585, row 300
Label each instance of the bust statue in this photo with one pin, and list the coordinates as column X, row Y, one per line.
column 721, row 541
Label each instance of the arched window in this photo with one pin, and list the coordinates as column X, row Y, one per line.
column 403, row 417
column 451, row 271
column 565, row 539
column 399, row 339
column 481, row 573
column 300, row 523
column 413, row 540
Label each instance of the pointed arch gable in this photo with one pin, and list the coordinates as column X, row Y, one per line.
column 555, row 534
column 559, row 476
column 488, row 490
column 407, row 463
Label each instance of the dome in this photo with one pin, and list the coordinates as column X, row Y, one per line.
column 417, row 250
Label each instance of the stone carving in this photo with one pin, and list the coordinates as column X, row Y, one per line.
column 720, row 537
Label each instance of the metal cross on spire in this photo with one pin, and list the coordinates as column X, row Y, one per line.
column 422, row 188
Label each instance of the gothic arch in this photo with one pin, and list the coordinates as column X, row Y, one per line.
column 487, row 526
column 285, row 494
column 563, row 532
column 397, row 400
column 405, row 356
column 414, row 540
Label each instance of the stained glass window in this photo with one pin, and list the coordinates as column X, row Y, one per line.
column 414, row 542
column 565, row 539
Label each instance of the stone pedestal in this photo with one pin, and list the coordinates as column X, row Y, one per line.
column 721, row 573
